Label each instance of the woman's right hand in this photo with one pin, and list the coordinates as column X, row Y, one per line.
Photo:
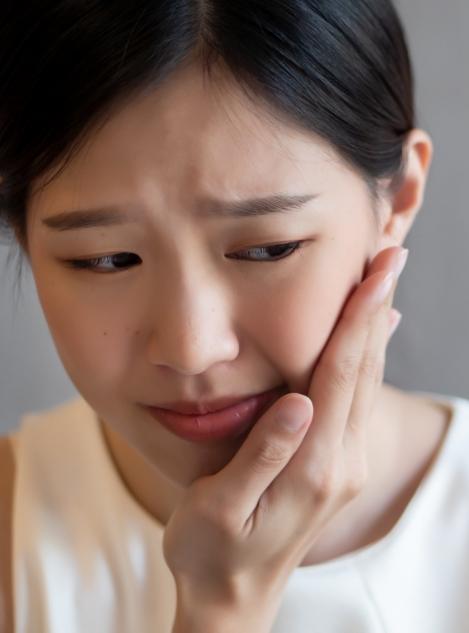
column 237, row 535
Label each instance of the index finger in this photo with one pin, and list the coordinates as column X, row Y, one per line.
column 335, row 378
column 383, row 261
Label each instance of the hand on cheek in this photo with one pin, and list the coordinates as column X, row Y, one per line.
column 304, row 459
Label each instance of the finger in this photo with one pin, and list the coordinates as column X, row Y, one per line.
column 334, row 381
column 333, row 386
column 369, row 381
column 335, row 376
column 266, row 451
column 371, row 369
column 395, row 321
column 385, row 260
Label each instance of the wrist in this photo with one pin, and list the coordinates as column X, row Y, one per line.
column 199, row 620
column 204, row 614
column 200, row 615
column 220, row 621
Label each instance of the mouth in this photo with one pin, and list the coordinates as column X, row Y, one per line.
column 228, row 422
column 202, row 407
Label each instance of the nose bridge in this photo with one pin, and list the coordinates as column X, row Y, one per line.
column 192, row 328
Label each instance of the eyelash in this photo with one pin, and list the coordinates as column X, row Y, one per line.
column 92, row 264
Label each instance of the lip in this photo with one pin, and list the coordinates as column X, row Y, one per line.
column 201, row 408
column 229, row 422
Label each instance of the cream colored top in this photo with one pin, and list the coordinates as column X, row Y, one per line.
column 88, row 558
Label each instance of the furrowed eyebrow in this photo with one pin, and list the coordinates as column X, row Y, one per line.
column 111, row 216
column 86, row 218
column 278, row 203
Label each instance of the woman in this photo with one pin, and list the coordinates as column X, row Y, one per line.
column 213, row 199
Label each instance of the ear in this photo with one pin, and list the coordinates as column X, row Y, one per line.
column 400, row 207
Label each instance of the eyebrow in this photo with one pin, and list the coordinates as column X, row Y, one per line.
column 111, row 216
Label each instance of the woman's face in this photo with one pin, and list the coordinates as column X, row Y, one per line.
column 182, row 320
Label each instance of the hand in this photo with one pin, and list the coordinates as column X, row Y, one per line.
column 237, row 535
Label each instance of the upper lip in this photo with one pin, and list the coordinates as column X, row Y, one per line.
column 202, row 407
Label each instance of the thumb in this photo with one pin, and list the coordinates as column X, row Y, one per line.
column 266, row 451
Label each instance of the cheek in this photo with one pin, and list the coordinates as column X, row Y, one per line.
column 92, row 343
column 300, row 316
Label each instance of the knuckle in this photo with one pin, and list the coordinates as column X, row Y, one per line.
column 226, row 523
column 330, row 482
column 219, row 514
column 210, row 503
column 324, row 484
column 354, row 487
column 270, row 454
column 379, row 375
column 356, row 481
column 345, row 373
column 369, row 366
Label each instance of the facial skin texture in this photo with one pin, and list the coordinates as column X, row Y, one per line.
column 187, row 322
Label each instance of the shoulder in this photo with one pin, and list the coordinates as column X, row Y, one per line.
column 7, row 477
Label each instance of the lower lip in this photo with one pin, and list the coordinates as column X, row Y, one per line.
column 226, row 423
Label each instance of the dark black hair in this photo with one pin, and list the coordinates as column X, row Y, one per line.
column 337, row 68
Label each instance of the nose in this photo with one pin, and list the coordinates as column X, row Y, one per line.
column 192, row 330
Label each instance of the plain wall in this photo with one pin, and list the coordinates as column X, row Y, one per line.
column 430, row 351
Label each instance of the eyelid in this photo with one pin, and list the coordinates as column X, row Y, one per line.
column 297, row 243
column 90, row 264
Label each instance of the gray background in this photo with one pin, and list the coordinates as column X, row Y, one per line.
column 430, row 350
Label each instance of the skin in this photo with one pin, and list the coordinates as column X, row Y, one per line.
column 189, row 323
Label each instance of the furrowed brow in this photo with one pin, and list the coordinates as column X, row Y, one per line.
column 278, row 203
column 112, row 216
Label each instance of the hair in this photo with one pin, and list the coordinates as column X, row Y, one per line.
column 337, row 68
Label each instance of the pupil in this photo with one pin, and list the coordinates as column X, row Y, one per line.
column 121, row 259
column 278, row 250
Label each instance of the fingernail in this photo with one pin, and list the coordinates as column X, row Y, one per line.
column 293, row 415
column 382, row 291
column 401, row 262
column 395, row 320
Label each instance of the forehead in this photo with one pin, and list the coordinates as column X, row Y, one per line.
column 196, row 136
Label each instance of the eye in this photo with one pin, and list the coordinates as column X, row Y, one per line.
column 122, row 261
column 277, row 251
column 119, row 261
